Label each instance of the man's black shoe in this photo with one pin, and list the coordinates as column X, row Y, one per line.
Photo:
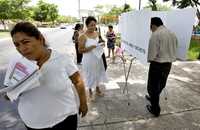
column 149, row 108
column 148, row 98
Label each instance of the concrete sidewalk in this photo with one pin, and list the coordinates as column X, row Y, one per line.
column 122, row 111
column 119, row 111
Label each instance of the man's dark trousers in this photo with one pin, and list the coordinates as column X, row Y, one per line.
column 157, row 78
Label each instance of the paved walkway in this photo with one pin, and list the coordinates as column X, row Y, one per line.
column 122, row 111
column 118, row 111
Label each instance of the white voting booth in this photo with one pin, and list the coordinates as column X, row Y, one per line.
column 134, row 28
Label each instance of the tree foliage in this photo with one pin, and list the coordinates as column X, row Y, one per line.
column 153, row 5
column 127, row 8
column 4, row 10
column 114, row 13
column 159, row 7
column 186, row 3
column 45, row 12
column 66, row 19
column 52, row 13
column 40, row 11
column 14, row 9
column 19, row 9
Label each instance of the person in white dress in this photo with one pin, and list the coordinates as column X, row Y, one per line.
column 93, row 68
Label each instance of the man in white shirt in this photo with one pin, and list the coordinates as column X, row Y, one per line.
column 161, row 54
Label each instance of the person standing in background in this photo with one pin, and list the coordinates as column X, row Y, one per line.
column 111, row 38
column 78, row 30
column 161, row 53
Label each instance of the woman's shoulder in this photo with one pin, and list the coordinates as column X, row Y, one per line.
column 64, row 58
column 82, row 36
column 58, row 55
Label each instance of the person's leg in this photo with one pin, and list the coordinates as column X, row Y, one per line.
column 77, row 57
column 152, row 82
column 108, row 53
column 80, row 57
column 166, row 67
column 156, row 86
column 113, row 55
column 91, row 96
column 99, row 92
column 153, row 87
column 90, row 92
column 108, row 46
column 70, row 123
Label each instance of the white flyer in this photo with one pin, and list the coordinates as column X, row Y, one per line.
column 98, row 51
column 21, row 75
column 19, row 69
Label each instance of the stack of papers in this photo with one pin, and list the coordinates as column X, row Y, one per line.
column 21, row 75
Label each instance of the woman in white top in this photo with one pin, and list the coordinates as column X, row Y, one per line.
column 93, row 68
column 53, row 105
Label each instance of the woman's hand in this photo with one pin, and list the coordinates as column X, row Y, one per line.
column 102, row 44
column 93, row 46
column 83, row 109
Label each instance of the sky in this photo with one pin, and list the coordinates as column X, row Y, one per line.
column 70, row 7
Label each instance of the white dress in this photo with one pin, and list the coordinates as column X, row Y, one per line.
column 93, row 68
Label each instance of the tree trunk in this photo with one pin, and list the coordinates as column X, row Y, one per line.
column 153, row 6
column 198, row 15
column 4, row 24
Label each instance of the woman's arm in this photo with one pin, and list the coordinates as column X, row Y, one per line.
column 80, row 87
column 82, row 48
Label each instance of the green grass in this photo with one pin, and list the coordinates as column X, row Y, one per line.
column 194, row 50
column 4, row 34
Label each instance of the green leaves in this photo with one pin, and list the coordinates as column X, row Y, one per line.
column 45, row 12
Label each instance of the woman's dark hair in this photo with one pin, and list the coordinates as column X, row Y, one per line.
column 110, row 26
column 29, row 29
column 82, row 25
column 77, row 26
column 89, row 19
column 156, row 21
